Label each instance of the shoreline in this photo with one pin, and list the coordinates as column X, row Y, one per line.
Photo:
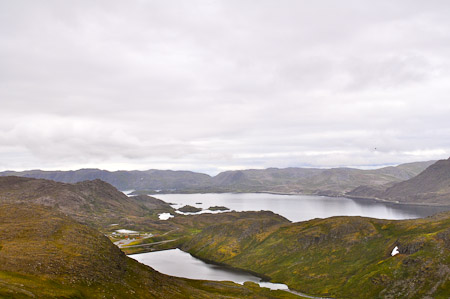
column 264, row 278
column 375, row 199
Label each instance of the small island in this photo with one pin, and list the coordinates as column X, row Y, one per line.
column 218, row 208
column 189, row 209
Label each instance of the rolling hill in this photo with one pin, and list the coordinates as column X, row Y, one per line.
column 92, row 202
column 46, row 254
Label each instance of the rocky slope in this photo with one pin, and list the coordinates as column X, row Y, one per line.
column 342, row 257
column 432, row 186
column 45, row 254
column 92, row 202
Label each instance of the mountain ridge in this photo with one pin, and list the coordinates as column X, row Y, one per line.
column 333, row 182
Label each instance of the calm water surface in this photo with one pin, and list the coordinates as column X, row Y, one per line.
column 175, row 262
column 301, row 207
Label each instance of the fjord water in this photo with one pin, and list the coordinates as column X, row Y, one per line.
column 175, row 262
column 302, row 207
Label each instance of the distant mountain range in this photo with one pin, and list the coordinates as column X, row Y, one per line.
column 334, row 182
column 123, row 180
column 432, row 186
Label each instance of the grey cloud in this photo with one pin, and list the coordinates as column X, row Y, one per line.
column 220, row 84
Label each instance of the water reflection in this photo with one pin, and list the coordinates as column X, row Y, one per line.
column 302, row 207
column 175, row 262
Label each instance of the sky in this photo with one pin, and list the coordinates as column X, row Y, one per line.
column 211, row 86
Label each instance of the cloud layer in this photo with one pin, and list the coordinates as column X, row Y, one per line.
column 215, row 85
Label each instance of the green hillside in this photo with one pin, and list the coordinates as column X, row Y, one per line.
column 343, row 257
column 45, row 254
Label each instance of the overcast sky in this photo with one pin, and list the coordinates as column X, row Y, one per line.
column 217, row 85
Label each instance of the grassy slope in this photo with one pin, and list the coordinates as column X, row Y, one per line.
column 44, row 253
column 346, row 257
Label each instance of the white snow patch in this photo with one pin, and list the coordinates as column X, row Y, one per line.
column 126, row 231
column 165, row 216
column 203, row 212
column 395, row 251
column 273, row 286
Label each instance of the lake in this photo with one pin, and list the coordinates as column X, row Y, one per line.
column 175, row 262
column 294, row 207
column 301, row 207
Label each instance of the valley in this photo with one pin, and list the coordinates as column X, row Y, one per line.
column 224, row 149
column 62, row 251
column 333, row 257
